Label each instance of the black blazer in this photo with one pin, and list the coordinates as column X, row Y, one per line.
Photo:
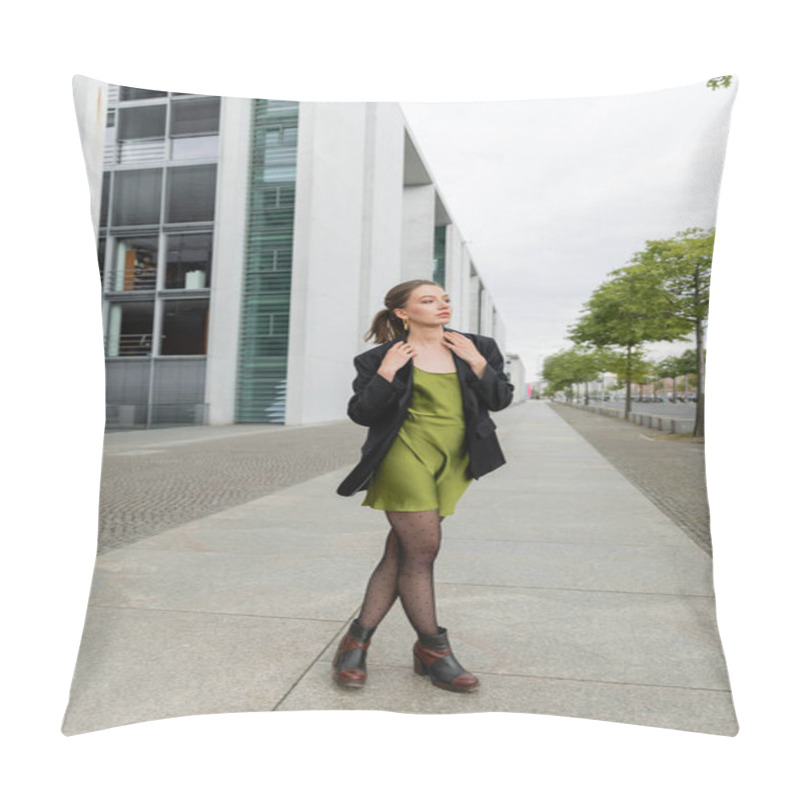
column 383, row 407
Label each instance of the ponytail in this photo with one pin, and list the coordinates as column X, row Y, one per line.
column 385, row 326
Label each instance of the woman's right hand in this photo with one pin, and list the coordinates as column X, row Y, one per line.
column 396, row 356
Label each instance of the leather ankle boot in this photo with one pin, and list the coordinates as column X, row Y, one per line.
column 350, row 661
column 433, row 656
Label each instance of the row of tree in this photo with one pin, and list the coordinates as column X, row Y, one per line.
column 661, row 295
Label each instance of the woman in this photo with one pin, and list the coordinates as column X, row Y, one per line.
column 429, row 436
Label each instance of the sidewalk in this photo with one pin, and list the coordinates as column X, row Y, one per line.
column 563, row 588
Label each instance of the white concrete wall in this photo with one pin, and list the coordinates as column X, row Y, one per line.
column 383, row 214
column 228, row 259
column 454, row 277
column 327, row 259
column 419, row 213
column 90, row 98
column 487, row 327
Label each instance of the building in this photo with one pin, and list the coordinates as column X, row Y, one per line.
column 244, row 246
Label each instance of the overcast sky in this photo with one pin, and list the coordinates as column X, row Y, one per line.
column 554, row 194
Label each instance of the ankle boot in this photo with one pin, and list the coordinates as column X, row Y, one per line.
column 350, row 661
column 433, row 656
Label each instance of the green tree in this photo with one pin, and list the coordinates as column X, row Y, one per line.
column 568, row 367
column 681, row 266
column 676, row 366
column 623, row 314
column 722, row 81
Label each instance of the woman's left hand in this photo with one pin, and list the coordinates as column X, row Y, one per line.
column 465, row 348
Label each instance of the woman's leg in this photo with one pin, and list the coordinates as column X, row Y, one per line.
column 382, row 587
column 384, row 584
column 419, row 534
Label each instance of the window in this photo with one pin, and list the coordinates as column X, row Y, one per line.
column 137, row 197
column 101, row 257
column 184, row 327
column 130, row 329
column 132, row 93
column 188, row 261
column 104, row 195
column 135, row 264
column 280, row 149
column 194, row 128
column 191, row 193
column 142, row 122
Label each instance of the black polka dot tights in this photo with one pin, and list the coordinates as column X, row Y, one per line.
column 406, row 571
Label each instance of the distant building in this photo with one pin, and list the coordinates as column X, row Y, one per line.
column 244, row 246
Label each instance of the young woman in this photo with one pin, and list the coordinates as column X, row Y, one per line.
column 429, row 436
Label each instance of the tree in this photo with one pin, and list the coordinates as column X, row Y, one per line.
column 625, row 312
column 675, row 366
column 568, row 367
column 723, row 80
column 682, row 267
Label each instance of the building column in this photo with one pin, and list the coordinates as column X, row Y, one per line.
column 227, row 264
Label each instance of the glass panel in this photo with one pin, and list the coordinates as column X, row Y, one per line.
column 135, row 264
column 184, row 327
column 188, row 261
column 144, row 122
column 104, row 195
column 196, row 147
column 191, row 193
column 132, row 93
column 130, row 329
column 137, row 197
column 191, row 117
column 101, row 257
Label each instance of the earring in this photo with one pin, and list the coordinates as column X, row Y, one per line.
column 405, row 324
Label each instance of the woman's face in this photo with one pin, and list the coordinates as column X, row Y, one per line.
column 428, row 306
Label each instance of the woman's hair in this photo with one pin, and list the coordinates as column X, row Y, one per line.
column 386, row 325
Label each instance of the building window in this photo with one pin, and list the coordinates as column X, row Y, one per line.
column 191, row 193
column 439, row 254
column 142, row 122
column 136, row 197
column 104, row 195
column 130, row 329
column 184, row 328
column 141, row 134
column 133, row 93
column 194, row 128
column 135, row 264
column 188, row 261
column 101, row 258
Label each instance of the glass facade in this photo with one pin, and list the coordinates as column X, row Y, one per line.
column 155, row 250
column 264, row 332
column 439, row 253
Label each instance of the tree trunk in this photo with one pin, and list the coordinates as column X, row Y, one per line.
column 628, row 385
column 700, row 410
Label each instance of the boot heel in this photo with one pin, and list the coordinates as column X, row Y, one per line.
column 350, row 660
column 419, row 666
column 433, row 656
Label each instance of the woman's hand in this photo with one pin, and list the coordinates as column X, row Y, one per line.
column 465, row 349
column 394, row 358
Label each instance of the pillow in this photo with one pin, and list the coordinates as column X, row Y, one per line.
column 244, row 248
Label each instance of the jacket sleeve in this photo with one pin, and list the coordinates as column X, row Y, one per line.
column 373, row 395
column 494, row 389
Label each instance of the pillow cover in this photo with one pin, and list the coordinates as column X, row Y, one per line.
column 244, row 248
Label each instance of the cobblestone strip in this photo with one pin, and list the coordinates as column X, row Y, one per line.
column 668, row 469
column 144, row 491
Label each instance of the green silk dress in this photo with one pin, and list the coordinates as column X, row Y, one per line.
column 426, row 465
